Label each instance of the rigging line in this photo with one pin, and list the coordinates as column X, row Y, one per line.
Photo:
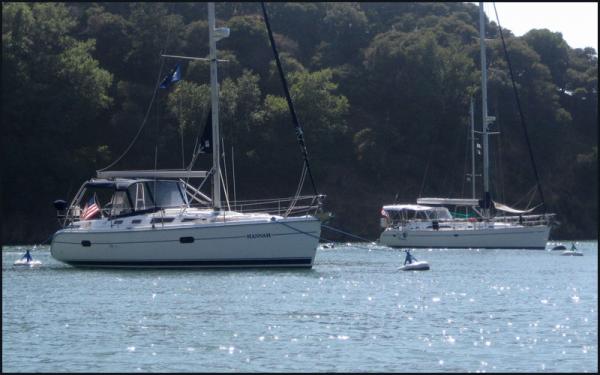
column 530, row 201
column 537, row 179
column 189, row 167
column 498, row 167
column 157, row 133
column 158, row 106
column 233, row 177
column 500, row 142
column 346, row 233
column 197, row 148
column 299, row 132
column 294, row 201
column 464, row 180
column 226, row 182
column 458, row 140
column 210, row 173
column 299, row 231
column 298, row 190
column 156, row 88
column 225, row 191
column 182, row 127
column 529, row 192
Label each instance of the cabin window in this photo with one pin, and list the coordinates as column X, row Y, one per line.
column 141, row 196
column 100, row 195
column 167, row 193
column 120, row 204
column 162, row 220
column 440, row 213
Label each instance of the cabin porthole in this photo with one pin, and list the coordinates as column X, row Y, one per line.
column 86, row 243
column 186, row 239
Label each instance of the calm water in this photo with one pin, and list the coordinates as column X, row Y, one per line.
column 488, row 310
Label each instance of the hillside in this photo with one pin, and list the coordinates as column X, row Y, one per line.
column 382, row 91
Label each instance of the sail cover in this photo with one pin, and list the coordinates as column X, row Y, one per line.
column 409, row 207
column 505, row 208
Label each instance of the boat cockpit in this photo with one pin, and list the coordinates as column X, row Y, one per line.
column 113, row 198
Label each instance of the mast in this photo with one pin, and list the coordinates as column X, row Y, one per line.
column 486, row 119
column 472, row 115
column 214, row 35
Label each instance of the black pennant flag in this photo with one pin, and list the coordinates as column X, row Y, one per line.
column 206, row 139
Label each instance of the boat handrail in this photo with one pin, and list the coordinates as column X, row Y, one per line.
column 525, row 220
column 153, row 173
column 306, row 204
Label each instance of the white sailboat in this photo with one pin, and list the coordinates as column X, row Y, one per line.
column 430, row 224
column 156, row 218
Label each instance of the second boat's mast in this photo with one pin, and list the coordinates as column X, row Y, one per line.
column 214, row 91
column 486, row 161
column 472, row 115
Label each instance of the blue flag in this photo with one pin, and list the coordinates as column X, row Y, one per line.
column 172, row 77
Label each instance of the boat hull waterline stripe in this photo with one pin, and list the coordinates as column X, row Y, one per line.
column 454, row 234
column 462, row 247
column 298, row 262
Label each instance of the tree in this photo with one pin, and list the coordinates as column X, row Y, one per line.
column 553, row 52
column 53, row 89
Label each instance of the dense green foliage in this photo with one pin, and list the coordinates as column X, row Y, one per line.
column 382, row 91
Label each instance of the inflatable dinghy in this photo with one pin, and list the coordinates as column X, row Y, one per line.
column 559, row 247
column 415, row 266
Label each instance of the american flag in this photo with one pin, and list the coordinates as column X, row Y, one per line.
column 91, row 209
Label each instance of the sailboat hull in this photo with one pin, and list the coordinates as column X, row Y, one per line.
column 510, row 237
column 278, row 243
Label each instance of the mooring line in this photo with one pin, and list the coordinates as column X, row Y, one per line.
column 346, row 233
column 330, row 228
column 299, row 231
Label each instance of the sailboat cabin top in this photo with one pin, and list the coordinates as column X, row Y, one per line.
column 123, row 197
column 399, row 212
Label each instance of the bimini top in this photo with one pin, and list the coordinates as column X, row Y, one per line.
column 409, row 207
column 117, row 184
column 153, row 173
